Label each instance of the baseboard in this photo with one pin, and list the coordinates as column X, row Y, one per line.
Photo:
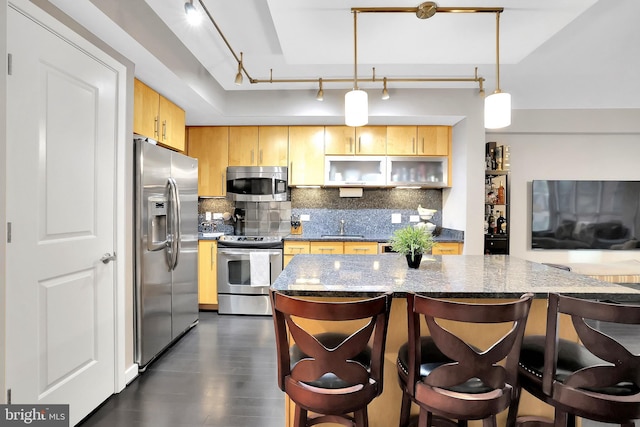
column 131, row 373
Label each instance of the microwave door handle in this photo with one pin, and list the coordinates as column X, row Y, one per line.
column 273, row 187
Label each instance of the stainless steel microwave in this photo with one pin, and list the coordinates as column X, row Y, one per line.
column 257, row 183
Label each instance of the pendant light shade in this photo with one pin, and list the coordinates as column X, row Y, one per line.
column 497, row 110
column 356, row 108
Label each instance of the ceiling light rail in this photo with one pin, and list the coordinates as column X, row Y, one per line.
column 497, row 105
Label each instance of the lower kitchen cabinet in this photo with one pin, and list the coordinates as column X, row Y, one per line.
column 328, row 247
column 207, row 274
column 447, row 248
column 360, row 248
column 292, row 249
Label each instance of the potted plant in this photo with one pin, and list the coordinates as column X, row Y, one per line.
column 412, row 242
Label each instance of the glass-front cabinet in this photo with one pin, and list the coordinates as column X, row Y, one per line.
column 429, row 171
column 355, row 171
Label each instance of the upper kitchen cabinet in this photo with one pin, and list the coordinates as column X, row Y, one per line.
column 273, row 145
column 401, row 140
column 306, row 155
column 258, row 146
column 418, row 140
column 243, row 145
column 156, row 117
column 339, row 140
column 209, row 144
column 371, row 140
column 434, row 140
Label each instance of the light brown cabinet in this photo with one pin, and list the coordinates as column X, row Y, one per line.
column 258, row 145
column 156, row 117
column 306, row 155
column 360, row 248
column 339, row 140
column 210, row 144
column 447, row 248
column 243, row 145
column 207, row 274
column 401, row 140
column 371, row 140
column 292, row 249
column 418, row 140
column 434, row 140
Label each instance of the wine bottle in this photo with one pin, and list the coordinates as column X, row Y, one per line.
column 500, row 222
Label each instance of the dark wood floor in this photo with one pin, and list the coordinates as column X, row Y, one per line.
column 221, row 373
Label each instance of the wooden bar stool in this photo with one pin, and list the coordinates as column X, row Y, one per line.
column 447, row 377
column 597, row 379
column 331, row 374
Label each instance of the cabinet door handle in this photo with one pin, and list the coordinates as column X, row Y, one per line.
column 213, row 258
column 251, row 156
column 156, row 126
column 261, row 156
column 164, row 130
column 350, row 145
column 359, row 144
column 422, row 145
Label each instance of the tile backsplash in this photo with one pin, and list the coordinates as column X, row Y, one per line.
column 369, row 214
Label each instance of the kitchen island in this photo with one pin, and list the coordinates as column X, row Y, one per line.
column 468, row 277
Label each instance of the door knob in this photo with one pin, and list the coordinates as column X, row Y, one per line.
column 107, row 258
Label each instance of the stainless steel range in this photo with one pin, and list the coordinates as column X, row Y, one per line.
column 247, row 266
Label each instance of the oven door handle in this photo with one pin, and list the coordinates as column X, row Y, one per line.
column 225, row 252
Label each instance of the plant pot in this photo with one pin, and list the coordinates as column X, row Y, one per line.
column 415, row 263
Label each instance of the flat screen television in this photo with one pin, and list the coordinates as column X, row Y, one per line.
column 602, row 215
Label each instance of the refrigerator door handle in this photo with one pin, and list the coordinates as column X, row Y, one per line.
column 174, row 203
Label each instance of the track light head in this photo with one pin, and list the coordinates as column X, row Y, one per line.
column 385, row 92
column 194, row 17
column 239, row 78
column 320, row 94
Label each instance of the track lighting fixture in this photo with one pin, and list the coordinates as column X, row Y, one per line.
column 320, row 94
column 497, row 106
column 385, row 92
column 194, row 17
column 239, row 79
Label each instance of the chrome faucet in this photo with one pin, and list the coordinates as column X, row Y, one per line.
column 342, row 227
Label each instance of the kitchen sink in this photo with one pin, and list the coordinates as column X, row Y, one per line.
column 343, row 236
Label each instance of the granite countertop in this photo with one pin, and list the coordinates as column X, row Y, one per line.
column 459, row 276
column 445, row 235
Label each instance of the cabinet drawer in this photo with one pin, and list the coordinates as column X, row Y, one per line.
column 335, row 248
column 360, row 248
column 494, row 245
column 447, row 248
column 295, row 248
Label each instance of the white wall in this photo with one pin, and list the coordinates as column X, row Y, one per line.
column 567, row 144
column 3, row 192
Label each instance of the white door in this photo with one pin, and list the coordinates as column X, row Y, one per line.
column 61, row 172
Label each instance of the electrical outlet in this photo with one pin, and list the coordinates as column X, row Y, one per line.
column 305, row 217
column 396, row 218
column 217, row 215
column 414, row 218
column 207, row 216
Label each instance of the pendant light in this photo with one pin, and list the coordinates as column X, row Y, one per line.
column 194, row 17
column 356, row 102
column 497, row 106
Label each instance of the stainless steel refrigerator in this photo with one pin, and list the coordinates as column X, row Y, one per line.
column 166, row 230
